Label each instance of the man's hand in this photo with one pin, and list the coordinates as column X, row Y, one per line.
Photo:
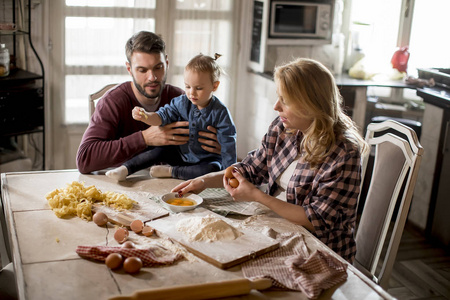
column 169, row 134
column 210, row 143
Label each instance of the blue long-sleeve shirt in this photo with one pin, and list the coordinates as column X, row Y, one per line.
column 215, row 114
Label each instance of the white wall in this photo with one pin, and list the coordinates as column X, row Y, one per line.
column 254, row 112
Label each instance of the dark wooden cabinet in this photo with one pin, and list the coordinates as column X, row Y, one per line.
column 22, row 92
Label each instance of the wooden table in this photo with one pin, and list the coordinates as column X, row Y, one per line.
column 47, row 266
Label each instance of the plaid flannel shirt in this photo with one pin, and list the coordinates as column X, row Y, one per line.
column 328, row 193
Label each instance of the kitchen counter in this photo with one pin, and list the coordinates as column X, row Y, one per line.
column 354, row 92
column 437, row 96
column 47, row 266
column 430, row 201
column 346, row 80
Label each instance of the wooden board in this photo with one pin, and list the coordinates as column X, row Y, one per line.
column 222, row 254
column 144, row 210
column 124, row 218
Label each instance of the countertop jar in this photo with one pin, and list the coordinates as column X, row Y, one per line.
column 4, row 61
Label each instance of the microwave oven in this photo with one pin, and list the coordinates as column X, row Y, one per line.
column 288, row 23
column 298, row 19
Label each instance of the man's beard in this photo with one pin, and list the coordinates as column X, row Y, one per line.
column 141, row 89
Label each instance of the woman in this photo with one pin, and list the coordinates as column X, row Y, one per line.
column 309, row 159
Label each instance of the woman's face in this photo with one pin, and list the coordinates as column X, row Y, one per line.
column 289, row 117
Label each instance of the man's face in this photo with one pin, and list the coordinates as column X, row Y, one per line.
column 149, row 73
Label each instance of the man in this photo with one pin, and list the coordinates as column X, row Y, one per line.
column 113, row 136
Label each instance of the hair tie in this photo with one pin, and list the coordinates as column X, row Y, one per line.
column 217, row 55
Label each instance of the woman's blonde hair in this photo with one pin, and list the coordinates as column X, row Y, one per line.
column 309, row 88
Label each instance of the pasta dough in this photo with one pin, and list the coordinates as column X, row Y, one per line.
column 77, row 200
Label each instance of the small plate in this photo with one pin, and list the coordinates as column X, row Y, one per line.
column 176, row 208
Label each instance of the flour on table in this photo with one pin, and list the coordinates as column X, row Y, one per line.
column 208, row 228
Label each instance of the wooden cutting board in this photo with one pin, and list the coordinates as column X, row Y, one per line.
column 125, row 217
column 222, row 254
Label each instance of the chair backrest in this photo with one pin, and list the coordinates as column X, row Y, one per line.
column 93, row 98
column 397, row 156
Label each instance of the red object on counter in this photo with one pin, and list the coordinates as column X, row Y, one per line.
column 400, row 59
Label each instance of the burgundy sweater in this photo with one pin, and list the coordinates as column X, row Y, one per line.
column 113, row 136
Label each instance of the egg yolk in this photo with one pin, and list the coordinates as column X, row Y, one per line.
column 181, row 202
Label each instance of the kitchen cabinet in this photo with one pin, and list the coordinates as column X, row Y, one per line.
column 440, row 227
column 22, row 91
column 430, row 205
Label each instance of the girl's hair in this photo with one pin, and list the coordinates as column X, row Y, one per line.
column 309, row 88
column 146, row 42
column 204, row 63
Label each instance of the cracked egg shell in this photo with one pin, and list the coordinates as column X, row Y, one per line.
column 137, row 226
column 121, row 235
column 148, row 231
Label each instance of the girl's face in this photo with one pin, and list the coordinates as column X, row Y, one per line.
column 291, row 119
column 199, row 88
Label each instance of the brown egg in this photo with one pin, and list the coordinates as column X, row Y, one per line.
column 121, row 235
column 100, row 218
column 128, row 244
column 148, row 231
column 137, row 226
column 233, row 182
column 229, row 172
column 113, row 261
column 132, row 264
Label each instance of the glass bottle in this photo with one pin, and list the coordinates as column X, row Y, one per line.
column 4, row 61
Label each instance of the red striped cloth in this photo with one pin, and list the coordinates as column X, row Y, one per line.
column 291, row 267
column 152, row 256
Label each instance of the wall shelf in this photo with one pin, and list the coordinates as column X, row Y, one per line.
column 22, row 91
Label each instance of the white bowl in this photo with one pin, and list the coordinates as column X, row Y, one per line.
column 176, row 208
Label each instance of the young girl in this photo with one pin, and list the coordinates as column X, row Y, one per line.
column 202, row 109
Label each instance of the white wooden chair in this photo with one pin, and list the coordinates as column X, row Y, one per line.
column 397, row 156
column 93, row 98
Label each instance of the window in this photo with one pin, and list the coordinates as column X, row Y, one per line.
column 428, row 28
column 374, row 29
column 379, row 27
column 96, row 32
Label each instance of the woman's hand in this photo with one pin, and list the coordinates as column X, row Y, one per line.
column 245, row 191
column 196, row 186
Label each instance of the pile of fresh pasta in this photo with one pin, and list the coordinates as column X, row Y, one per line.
column 77, row 200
